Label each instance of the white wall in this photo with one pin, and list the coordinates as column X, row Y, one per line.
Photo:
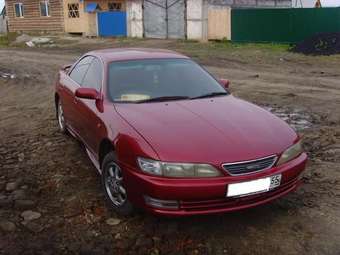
column 3, row 25
column 311, row 3
column 134, row 13
column 196, row 19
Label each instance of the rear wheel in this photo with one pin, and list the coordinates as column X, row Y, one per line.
column 61, row 118
column 113, row 186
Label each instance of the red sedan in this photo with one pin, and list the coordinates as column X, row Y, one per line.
column 168, row 137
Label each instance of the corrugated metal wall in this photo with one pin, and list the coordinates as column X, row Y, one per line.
column 164, row 18
column 282, row 25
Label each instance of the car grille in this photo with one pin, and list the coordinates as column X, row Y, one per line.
column 251, row 166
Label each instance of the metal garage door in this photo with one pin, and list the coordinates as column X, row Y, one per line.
column 164, row 18
column 112, row 23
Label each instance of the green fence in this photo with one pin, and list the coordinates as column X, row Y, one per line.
column 282, row 25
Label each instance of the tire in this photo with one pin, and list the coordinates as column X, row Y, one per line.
column 60, row 118
column 113, row 186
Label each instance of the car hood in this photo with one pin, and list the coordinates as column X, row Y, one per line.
column 215, row 130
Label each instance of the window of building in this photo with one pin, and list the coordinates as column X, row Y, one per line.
column 19, row 10
column 115, row 6
column 45, row 8
column 73, row 10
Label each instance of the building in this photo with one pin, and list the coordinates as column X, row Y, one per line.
column 3, row 21
column 91, row 18
column 35, row 15
column 71, row 16
column 178, row 19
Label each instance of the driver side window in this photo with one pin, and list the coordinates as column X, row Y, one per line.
column 93, row 76
column 79, row 71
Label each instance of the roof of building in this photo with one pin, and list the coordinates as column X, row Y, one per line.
column 119, row 54
column 92, row 7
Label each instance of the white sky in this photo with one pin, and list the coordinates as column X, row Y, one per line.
column 325, row 3
column 311, row 3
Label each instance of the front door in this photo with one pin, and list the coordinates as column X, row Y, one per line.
column 90, row 126
column 112, row 23
column 71, row 82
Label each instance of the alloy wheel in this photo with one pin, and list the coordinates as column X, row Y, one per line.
column 114, row 185
column 61, row 119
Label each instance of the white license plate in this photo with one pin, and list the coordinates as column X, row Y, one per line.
column 254, row 186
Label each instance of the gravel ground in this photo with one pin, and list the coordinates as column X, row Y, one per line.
column 50, row 196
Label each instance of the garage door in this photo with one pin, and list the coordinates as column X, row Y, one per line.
column 164, row 18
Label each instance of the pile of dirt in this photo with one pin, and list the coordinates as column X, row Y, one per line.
column 319, row 44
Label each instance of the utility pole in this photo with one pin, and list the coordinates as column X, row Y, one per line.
column 166, row 19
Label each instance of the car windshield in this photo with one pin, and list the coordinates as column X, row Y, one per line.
column 151, row 80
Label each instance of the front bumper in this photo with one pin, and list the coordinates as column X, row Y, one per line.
column 208, row 195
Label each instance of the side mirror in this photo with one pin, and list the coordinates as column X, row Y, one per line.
column 87, row 93
column 225, row 83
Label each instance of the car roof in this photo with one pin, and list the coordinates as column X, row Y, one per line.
column 120, row 54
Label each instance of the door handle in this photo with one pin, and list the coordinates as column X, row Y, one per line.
column 75, row 100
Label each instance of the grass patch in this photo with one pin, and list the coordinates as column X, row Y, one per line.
column 228, row 45
column 233, row 51
column 7, row 39
column 4, row 41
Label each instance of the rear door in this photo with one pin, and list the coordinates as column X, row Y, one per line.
column 70, row 83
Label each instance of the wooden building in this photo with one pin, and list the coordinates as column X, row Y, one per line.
column 35, row 15
column 81, row 16
column 71, row 16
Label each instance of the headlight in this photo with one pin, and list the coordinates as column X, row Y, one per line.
column 291, row 153
column 183, row 170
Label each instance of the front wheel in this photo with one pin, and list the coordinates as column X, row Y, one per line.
column 113, row 186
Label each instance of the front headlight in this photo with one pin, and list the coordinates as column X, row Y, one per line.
column 291, row 153
column 184, row 170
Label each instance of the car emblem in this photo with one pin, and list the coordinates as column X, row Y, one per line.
column 252, row 167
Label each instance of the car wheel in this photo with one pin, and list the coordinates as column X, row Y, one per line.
column 61, row 118
column 113, row 186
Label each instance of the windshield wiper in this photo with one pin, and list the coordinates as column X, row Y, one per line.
column 162, row 99
column 213, row 94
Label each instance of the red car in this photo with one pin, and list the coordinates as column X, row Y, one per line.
column 168, row 137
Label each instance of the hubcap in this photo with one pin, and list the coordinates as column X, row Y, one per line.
column 114, row 185
column 61, row 119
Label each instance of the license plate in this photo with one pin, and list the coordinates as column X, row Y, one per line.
column 254, row 186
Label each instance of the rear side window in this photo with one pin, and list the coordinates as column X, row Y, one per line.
column 80, row 69
column 93, row 77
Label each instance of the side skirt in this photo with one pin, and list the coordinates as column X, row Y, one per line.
column 93, row 160
column 88, row 152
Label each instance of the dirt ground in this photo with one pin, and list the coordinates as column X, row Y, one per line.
column 50, row 196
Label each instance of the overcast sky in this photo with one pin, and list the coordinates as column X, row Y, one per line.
column 324, row 2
